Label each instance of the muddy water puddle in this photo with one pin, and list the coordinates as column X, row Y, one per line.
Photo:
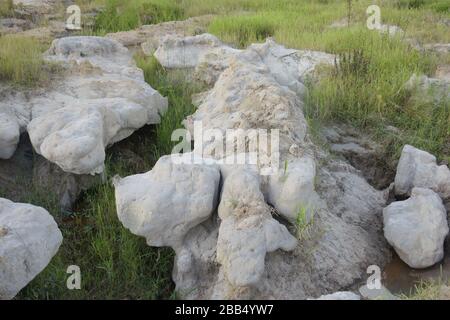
column 399, row 278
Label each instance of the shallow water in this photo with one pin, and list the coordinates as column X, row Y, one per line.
column 399, row 278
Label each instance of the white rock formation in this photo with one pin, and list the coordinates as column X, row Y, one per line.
column 210, row 57
column 214, row 259
column 252, row 94
column 165, row 203
column 234, row 254
column 247, row 230
column 346, row 237
column 101, row 99
column 417, row 168
column 187, row 52
column 417, row 228
column 340, row 295
column 29, row 238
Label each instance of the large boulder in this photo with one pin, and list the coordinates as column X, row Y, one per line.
column 417, row 228
column 165, row 203
column 101, row 98
column 29, row 238
column 418, row 168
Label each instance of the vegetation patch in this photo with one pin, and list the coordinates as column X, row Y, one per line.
column 7, row 8
column 21, row 61
column 120, row 15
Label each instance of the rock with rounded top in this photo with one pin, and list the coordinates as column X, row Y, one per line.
column 164, row 204
column 417, row 228
column 418, row 168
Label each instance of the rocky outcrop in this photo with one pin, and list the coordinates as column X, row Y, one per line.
column 345, row 238
column 101, row 99
column 210, row 57
column 417, row 228
column 417, row 168
column 29, row 238
column 186, row 52
column 248, row 250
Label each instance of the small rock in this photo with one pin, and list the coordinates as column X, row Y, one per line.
column 377, row 294
column 341, row 295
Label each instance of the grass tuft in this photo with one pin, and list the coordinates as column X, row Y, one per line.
column 6, row 9
column 120, row 15
column 21, row 60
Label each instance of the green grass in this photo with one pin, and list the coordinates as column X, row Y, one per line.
column 427, row 290
column 120, row 15
column 179, row 92
column 367, row 93
column 21, row 61
column 6, row 8
column 304, row 223
column 114, row 263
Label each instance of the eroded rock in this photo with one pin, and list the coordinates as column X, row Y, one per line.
column 186, row 52
column 102, row 98
column 165, row 203
column 247, row 230
column 29, row 238
column 234, row 255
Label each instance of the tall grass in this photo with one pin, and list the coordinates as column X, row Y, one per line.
column 6, row 8
column 120, row 15
column 21, row 60
column 179, row 92
column 366, row 88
